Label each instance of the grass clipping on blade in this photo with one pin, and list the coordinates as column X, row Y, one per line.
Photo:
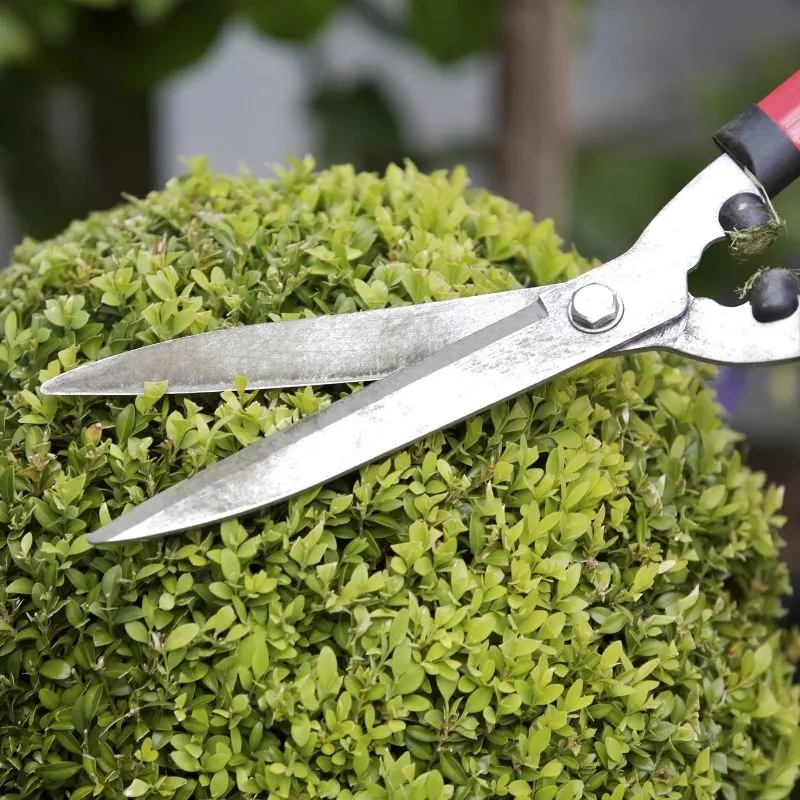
column 573, row 595
column 751, row 242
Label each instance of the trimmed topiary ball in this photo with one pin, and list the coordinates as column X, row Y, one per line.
column 574, row 595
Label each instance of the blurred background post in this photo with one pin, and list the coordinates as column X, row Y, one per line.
column 592, row 112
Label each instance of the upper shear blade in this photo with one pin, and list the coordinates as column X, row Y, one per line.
column 344, row 348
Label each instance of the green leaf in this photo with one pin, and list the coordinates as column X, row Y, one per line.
column 552, row 769
column 611, row 655
column 221, row 590
column 219, row 783
column 762, row 658
column 229, row 564
column 399, row 628
column 480, row 628
column 449, row 30
column 675, row 403
column 712, row 497
column 328, row 679
column 296, row 21
column 520, row 789
column 613, row 748
column 137, row 631
column 359, row 124
column 260, row 658
column 17, row 42
column 55, row 670
column 20, row 586
column 185, row 761
column 125, row 423
column 181, row 637
column 644, row 577
column 409, row 680
column 452, row 769
column 136, row 788
column 57, row 773
column 434, row 785
column 538, row 742
column 301, row 731
column 110, row 582
column 479, row 699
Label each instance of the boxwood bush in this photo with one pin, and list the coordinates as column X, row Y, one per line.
column 573, row 595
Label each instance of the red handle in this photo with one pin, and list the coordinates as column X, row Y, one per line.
column 765, row 138
column 782, row 106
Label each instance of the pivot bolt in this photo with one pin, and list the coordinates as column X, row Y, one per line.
column 595, row 308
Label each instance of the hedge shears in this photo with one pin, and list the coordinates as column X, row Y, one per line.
column 429, row 366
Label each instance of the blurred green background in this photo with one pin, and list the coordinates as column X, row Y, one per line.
column 81, row 106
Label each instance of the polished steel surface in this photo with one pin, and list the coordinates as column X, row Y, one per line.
column 344, row 348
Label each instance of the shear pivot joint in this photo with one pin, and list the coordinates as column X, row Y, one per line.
column 595, row 308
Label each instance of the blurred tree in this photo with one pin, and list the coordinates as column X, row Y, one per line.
column 533, row 146
column 112, row 52
column 115, row 52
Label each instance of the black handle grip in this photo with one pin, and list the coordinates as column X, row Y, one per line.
column 765, row 138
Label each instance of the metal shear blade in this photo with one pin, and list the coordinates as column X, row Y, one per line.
column 435, row 364
column 370, row 345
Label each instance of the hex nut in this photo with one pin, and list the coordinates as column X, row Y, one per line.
column 595, row 308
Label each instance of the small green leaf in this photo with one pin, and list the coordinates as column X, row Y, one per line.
column 221, row 590
column 20, row 586
column 452, row 769
column 136, row 788
column 56, row 670
column 57, row 772
column 762, row 658
column 611, row 655
column 181, row 637
column 328, row 679
column 399, row 628
column 644, row 577
column 613, row 748
column 409, row 680
column 125, row 423
column 480, row 628
column 185, row 761
column 219, row 783
column 137, row 631
column 229, row 564
column 259, row 662
column 301, row 731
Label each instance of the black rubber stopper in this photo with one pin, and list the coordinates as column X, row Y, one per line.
column 775, row 295
column 744, row 211
column 755, row 141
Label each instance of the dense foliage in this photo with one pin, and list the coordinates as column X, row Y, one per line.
column 573, row 595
